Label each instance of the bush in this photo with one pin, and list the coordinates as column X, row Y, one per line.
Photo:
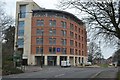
column 11, row 70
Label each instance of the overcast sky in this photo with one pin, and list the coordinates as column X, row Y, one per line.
column 51, row 4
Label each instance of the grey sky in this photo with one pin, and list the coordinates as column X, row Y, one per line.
column 50, row 4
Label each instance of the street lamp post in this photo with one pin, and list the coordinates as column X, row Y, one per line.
column 42, row 51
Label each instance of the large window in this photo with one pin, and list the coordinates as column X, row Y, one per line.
column 52, row 50
column 20, row 32
column 64, row 50
column 39, row 50
column 52, row 41
column 39, row 32
column 52, row 23
column 52, row 32
column 63, row 24
column 21, row 25
column 75, row 43
column 64, row 32
column 40, row 22
column 71, row 51
column 22, row 11
column 64, row 42
column 39, row 41
column 71, row 43
column 76, row 52
column 20, row 42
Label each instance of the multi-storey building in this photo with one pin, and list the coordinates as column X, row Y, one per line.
column 49, row 35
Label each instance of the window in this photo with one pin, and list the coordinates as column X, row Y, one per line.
column 22, row 11
column 82, row 31
column 20, row 32
column 64, row 50
column 39, row 41
column 20, row 42
column 76, row 51
column 71, row 43
column 64, row 42
column 71, row 51
column 21, row 25
column 71, row 34
column 39, row 50
column 52, row 32
column 79, row 45
column 75, row 36
column 82, row 38
column 63, row 24
column 76, row 28
column 52, row 41
column 64, row 32
column 75, row 43
column 71, row 26
column 79, row 52
column 52, row 50
column 39, row 32
column 40, row 23
column 79, row 37
column 52, row 23
column 79, row 30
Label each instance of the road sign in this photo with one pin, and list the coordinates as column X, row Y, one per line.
column 58, row 49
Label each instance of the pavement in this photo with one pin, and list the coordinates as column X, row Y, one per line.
column 28, row 69
column 109, row 73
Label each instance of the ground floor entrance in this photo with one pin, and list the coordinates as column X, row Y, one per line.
column 52, row 60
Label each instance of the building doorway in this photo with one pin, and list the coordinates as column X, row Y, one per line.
column 52, row 60
column 39, row 61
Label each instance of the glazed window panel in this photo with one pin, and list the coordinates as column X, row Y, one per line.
column 64, row 50
column 71, row 26
column 39, row 50
column 40, row 23
column 63, row 24
column 64, row 42
column 71, row 43
column 72, row 51
column 22, row 13
column 39, row 32
column 52, row 23
column 20, row 42
column 20, row 32
column 64, row 32
column 21, row 25
column 39, row 41
column 71, row 34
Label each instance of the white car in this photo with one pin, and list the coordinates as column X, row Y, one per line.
column 65, row 63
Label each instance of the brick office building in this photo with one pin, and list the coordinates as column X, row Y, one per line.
column 50, row 36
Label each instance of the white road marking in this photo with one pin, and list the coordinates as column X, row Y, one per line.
column 59, row 75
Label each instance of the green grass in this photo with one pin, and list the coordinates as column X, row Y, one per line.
column 103, row 65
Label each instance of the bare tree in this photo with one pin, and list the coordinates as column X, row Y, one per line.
column 103, row 17
column 93, row 49
column 5, row 20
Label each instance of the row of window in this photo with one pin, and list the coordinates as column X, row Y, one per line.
column 52, row 32
column 52, row 41
column 53, row 50
column 52, row 23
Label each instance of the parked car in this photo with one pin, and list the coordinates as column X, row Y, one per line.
column 65, row 63
column 88, row 64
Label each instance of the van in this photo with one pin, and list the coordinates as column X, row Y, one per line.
column 65, row 63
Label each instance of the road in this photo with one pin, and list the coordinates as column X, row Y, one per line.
column 58, row 72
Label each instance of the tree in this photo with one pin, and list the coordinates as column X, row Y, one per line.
column 5, row 20
column 103, row 17
column 92, row 48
